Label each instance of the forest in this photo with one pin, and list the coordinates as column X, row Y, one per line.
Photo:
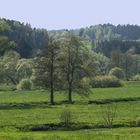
column 69, row 80
column 104, row 47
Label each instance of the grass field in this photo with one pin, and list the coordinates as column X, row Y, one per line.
column 113, row 134
column 22, row 111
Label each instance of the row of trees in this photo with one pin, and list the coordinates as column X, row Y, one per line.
column 110, row 32
column 66, row 64
column 105, row 32
column 106, row 47
column 22, row 38
column 28, row 42
column 63, row 66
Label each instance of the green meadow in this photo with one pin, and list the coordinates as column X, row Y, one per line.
column 28, row 115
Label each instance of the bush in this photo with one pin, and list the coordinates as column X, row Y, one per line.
column 109, row 114
column 118, row 72
column 136, row 78
column 24, row 84
column 105, row 81
column 138, row 121
column 66, row 117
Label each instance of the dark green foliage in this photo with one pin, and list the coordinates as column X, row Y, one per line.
column 74, row 57
column 105, row 81
column 22, row 38
column 58, row 126
column 6, row 45
column 111, row 32
column 106, row 47
column 138, row 122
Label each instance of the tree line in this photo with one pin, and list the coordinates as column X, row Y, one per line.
column 20, row 37
column 71, row 61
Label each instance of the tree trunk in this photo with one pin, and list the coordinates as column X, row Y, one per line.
column 52, row 94
column 70, row 93
column 52, row 79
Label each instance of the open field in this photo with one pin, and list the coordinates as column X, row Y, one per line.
column 113, row 134
column 22, row 113
column 130, row 90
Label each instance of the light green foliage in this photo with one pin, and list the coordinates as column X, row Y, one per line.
column 4, row 26
column 10, row 61
column 102, row 64
column 13, row 69
column 40, row 74
column 24, row 84
column 24, row 68
column 136, row 78
column 105, row 81
column 118, row 72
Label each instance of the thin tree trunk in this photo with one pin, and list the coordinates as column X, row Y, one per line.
column 52, row 91
column 52, row 97
column 70, row 93
column 52, row 79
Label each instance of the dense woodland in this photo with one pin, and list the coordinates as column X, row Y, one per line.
column 71, row 60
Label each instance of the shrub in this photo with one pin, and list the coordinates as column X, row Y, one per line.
column 66, row 117
column 136, row 78
column 24, row 84
column 109, row 114
column 105, row 81
column 118, row 72
column 138, row 121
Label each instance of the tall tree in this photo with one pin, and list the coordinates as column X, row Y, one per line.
column 52, row 53
column 45, row 68
column 73, row 56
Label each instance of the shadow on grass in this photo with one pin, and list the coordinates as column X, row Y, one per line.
column 8, row 106
column 71, row 127
column 117, row 100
